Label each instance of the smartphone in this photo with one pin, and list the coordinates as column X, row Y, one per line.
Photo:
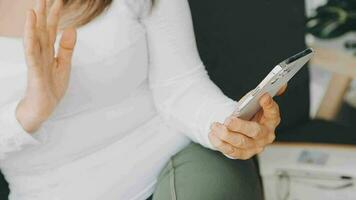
column 249, row 105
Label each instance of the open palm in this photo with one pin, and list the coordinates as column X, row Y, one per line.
column 48, row 73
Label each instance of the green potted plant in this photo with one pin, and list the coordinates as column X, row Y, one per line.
column 332, row 20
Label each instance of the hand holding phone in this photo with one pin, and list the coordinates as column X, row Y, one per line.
column 248, row 106
column 245, row 133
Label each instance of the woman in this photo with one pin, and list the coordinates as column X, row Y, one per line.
column 125, row 91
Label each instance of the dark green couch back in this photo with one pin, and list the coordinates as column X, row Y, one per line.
column 241, row 41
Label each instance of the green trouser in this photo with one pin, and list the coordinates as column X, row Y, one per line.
column 197, row 173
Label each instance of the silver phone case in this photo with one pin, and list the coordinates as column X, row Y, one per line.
column 248, row 106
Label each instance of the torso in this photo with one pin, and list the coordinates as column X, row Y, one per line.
column 106, row 117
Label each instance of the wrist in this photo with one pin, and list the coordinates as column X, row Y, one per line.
column 29, row 120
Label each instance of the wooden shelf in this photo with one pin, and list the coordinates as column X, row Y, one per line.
column 343, row 66
column 335, row 61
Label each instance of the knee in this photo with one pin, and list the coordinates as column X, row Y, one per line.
column 200, row 173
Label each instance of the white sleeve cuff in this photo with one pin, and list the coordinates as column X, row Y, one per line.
column 12, row 137
column 218, row 113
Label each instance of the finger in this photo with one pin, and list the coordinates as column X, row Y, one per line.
column 235, row 139
column 257, row 116
column 53, row 20
column 282, row 90
column 66, row 47
column 266, row 139
column 270, row 138
column 41, row 13
column 220, row 145
column 30, row 39
column 260, row 150
column 249, row 128
column 242, row 154
column 271, row 112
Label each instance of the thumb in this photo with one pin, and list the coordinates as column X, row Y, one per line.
column 271, row 114
column 66, row 47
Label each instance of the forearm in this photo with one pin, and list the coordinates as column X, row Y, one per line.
column 183, row 91
column 192, row 104
column 185, row 95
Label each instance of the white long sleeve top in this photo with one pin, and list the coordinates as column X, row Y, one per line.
column 138, row 94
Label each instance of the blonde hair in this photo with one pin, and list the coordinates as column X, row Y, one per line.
column 80, row 12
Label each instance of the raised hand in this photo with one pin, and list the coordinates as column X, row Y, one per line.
column 48, row 74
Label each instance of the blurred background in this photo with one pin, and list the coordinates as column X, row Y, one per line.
column 333, row 90
column 312, row 171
